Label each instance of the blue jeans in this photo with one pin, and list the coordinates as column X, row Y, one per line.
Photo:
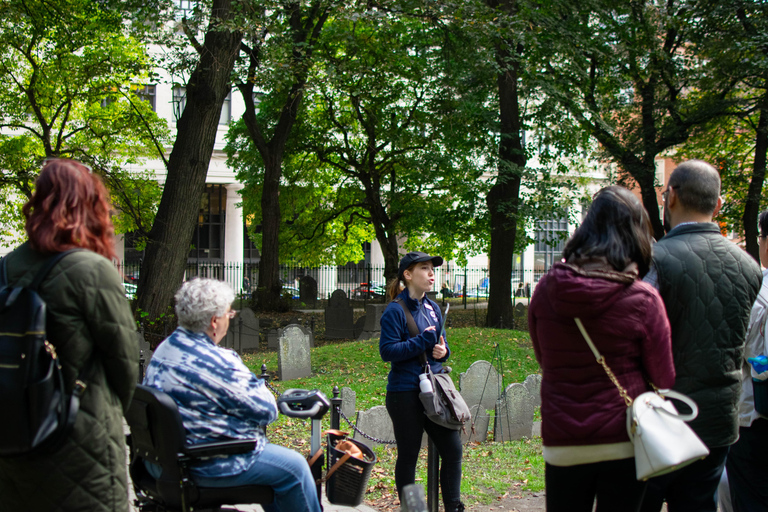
column 283, row 469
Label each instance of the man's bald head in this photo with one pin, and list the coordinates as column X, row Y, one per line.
column 697, row 186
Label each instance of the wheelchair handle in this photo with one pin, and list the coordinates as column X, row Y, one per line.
column 300, row 403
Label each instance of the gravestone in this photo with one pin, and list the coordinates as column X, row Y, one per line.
column 348, row 398
column 521, row 316
column 293, row 358
column 372, row 328
column 359, row 326
column 376, row 423
column 339, row 321
column 274, row 335
column 481, row 420
column 533, row 384
column 243, row 333
column 308, row 291
column 432, row 296
column 480, row 384
column 514, row 414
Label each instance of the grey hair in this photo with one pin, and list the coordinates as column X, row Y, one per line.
column 199, row 300
column 697, row 184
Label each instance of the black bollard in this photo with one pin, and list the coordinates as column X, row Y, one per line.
column 335, row 409
column 433, row 477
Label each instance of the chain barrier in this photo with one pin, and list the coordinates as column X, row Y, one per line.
column 380, row 441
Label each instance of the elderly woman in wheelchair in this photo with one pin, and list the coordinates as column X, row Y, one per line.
column 220, row 399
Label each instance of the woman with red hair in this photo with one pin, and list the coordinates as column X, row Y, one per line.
column 90, row 324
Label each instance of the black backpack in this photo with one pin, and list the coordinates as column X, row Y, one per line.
column 38, row 412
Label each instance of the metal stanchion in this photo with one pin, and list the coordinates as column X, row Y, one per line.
column 433, row 477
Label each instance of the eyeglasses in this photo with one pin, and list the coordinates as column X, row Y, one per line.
column 665, row 194
column 761, row 237
column 231, row 313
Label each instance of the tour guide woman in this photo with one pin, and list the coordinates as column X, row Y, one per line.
column 397, row 346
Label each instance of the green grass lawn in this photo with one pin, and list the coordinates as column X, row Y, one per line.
column 490, row 469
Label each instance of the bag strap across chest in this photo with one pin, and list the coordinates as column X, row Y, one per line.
column 413, row 329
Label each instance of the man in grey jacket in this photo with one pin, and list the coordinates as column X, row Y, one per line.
column 708, row 285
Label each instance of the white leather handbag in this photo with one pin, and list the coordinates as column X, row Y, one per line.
column 663, row 441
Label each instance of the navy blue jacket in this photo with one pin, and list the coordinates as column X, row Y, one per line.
column 398, row 347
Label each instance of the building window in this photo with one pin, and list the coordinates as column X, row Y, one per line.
column 186, row 7
column 179, row 101
column 145, row 93
column 208, row 240
column 251, row 253
column 551, row 236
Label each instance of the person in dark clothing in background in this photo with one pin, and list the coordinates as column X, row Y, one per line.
column 708, row 285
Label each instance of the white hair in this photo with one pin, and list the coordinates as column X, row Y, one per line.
column 199, row 300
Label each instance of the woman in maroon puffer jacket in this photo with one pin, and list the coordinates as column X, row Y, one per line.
column 587, row 450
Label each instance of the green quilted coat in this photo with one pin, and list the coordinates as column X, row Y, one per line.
column 88, row 318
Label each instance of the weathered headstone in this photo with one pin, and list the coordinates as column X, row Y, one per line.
column 514, row 414
column 293, row 357
column 376, row 423
column 480, row 384
column 243, row 333
column 348, row 397
column 339, row 322
column 359, row 326
column 481, row 420
column 273, row 338
column 533, row 384
column 372, row 328
column 432, row 296
column 308, row 291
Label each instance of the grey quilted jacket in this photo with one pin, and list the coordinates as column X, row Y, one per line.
column 88, row 318
column 708, row 285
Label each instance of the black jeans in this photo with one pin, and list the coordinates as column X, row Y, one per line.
column 612, row 482
column 691, row 489
column 409, row 422
column 747, row 467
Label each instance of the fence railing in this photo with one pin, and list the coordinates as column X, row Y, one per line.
column 363, row 282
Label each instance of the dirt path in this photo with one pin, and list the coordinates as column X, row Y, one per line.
column 534, row 502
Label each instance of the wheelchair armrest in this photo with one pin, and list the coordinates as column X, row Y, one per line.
column 220, row 448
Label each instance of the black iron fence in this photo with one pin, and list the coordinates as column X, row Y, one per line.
column 362, row 282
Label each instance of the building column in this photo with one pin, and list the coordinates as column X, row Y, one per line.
column 233, row 237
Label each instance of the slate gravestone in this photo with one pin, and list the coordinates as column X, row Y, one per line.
column 293, row 359
column 376, row 423
column 359, row 326
column 432, row 296
column 481, row 420
column 372, row 328
column 514, row 414
column 273, row 338
column 308, row 291
column 521, row 316
column 348, row 398
column 480, row 384
column 339, row 322
column 533, row 384
column 243, row 333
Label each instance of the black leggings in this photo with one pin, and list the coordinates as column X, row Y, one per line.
column 409, row 422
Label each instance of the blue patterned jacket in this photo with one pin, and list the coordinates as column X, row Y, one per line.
column 219, row 398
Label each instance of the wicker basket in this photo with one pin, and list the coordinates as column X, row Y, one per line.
column 347, row 485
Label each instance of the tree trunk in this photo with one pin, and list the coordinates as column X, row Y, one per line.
column 503, row 198
column 755, row 191
column 269, row 265
column 169, row 240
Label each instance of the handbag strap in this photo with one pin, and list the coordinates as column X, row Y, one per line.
column 600, row 359
column 412, row 328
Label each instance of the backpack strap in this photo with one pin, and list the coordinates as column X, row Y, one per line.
column 49, row 264
column 412, row 327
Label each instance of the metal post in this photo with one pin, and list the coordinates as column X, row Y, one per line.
column 264, row 375
column 335, row 408
column 433, row 476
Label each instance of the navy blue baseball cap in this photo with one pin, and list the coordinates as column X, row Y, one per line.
column 417, row 257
